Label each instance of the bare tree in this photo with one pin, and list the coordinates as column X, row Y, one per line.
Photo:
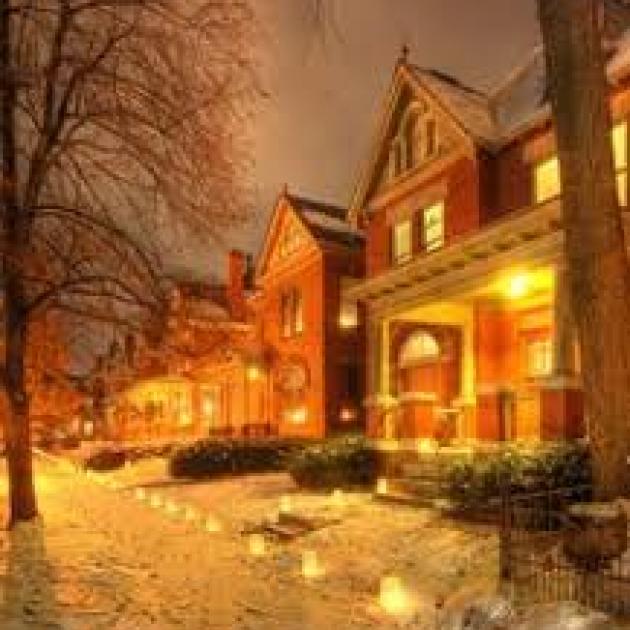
column 120, row 120
column 597, row 262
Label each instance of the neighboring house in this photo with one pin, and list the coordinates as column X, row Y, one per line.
column 270, row 354
column 469, row 329
column 312, row 342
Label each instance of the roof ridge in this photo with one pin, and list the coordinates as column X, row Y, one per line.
column 325, row 207
column 451, row 80
column 496, row 92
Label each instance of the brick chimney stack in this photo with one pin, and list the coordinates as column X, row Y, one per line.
column 237, row 270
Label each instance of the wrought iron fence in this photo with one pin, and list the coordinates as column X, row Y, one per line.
column 536, row 565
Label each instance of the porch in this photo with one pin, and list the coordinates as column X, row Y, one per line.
column 476, row 343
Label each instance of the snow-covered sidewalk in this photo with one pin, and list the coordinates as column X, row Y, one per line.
column 104, row 558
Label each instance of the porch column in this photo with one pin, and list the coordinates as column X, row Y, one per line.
column 561, row 405
column 378, row 376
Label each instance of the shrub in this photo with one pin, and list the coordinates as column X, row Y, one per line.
column 210, row 458
column 480, row 480
column 106, row 459
column 335, row 463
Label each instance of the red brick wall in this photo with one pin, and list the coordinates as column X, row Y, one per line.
column 306, row 275
column 461, row 208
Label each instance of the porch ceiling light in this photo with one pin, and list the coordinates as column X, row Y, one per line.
column 253, row 373
column 518, row 286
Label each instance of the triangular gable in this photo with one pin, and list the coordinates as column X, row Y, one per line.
column 284, row 218
column 412, row 88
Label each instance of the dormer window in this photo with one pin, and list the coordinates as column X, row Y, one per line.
column 430, row 138
column 401, row 241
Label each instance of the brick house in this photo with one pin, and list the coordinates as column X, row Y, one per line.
column 270, row 353
column 468, row 322
column 313, row 342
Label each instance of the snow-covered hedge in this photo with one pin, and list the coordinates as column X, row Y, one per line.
column 471, row 482
column 334, row 463
column 212, row 458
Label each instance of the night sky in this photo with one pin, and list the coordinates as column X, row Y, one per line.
column 325, row 89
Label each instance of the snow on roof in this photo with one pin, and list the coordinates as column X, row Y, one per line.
column 326, row 221
column 470, row 106
column 518, row 103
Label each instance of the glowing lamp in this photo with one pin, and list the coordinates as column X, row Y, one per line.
column 212, row 525
column 156, row 501
column 381, row 486
column 191, row 514
column 298, row 416
column 171, row 507
column 348, row 414
column 311, row 568
column 338, row 498
column 286, row 504
column 393, row 597
column 253, row 373
column 257, row 545
column 185, row 420
column 140, row 494
column 518, row 286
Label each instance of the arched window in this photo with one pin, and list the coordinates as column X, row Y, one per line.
column 421, row 346
column 430, row 141
column 411, row 141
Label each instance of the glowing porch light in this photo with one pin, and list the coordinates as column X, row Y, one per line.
column 381, row 486
column 311, row 567
column 257, row 545
column 286, row 504
column 393, row 597
column 185, row 419
column 348, row 414
column 140, row 494
column 426, row 446
column 212, row 525
column 518, row 286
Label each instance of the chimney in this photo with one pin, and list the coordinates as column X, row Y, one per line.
column 237, row 269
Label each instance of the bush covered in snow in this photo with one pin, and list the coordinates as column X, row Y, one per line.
column 474, row 481
column 335, row 463
column 105, row 459
column 211, row 458
column 110, row 457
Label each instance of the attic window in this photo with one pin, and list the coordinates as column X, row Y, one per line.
column 430, row 144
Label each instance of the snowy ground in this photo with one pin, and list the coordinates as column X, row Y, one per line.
column 102, row 558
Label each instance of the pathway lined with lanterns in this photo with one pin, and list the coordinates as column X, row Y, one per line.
column 118, row 555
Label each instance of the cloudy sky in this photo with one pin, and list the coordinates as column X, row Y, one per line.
column 325, row 90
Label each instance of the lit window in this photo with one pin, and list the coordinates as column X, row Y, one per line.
column 547, row 179
column 348, row 315
column 420, row 347
column 292, row 313
column 620, row 155
column 539, row 358
column 210, row 405
column 433, row 227
column 402, row 241
column 298, row 312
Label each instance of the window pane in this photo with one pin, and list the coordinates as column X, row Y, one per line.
column 434, row 227
column 402, row 241
column 539, row 358
column 547, row 180
column 298, row 312
column 622, row 188
column 620, row 145
column 286, row 315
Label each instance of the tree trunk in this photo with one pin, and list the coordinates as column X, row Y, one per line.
column 22, row 504
column 595, row 250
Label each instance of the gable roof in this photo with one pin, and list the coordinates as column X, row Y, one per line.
column 490, row 119
column 325, row 223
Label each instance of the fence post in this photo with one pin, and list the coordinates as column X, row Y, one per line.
column 505, row 535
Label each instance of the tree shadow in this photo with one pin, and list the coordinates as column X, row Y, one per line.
column 28, row 594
